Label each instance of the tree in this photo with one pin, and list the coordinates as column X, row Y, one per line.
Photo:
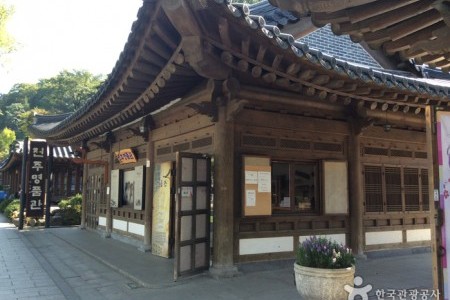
column 26, row 119
column 7, row 136
column 65, row 92
column 7, row 43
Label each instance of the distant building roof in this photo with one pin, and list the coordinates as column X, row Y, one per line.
column 339, row 46
column 272, row 14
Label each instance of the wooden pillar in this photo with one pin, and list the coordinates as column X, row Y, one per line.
column 108, row 229
column 356, row 190
column 147, row 246
column 84, row 194
column 223, row 264
column 432, row 165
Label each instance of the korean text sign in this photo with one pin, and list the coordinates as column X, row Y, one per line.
column 36, row 179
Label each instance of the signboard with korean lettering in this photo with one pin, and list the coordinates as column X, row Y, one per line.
column 126, row 156
column 36, row 179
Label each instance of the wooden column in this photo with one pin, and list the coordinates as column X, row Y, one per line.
column 432, row 166
column 356, row 189
column 108, row 229
column 148, row 198
column 84, row 192
column 223, row 264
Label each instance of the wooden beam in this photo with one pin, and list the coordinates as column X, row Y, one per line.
column 383, row 20
column 403, row 29
column 405, row 43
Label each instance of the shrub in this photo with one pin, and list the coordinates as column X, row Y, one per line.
column 70, row 210
column 74, row 202
column 12, row 209
column 324, row 253
column 4, row 204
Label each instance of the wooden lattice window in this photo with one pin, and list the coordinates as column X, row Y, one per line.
column 412, row 189
column 393, row 180
column 395, row 189
column 425, row 191
column 373, row 189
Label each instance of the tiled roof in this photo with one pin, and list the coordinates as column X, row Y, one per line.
column 294, row 52
column 329, row 62
column 339, row 46
column 272, row 14
column 17, row 150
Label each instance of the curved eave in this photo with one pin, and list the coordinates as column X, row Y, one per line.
column 278, row 60
column 149, row 73
column 416, row 29
column 152, row 70
column 12, row 160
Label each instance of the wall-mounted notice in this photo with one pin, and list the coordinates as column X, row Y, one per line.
column 264, row 182
column 251, row 177
column 257, row 186
column 250, row 198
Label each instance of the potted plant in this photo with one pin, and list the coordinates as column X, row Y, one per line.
column 323, row 268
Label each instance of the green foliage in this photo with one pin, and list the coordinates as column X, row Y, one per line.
column 67, row 91
column 27, row 118
column 70, row 210
column 74, row 201
column 7, row 43
column 7, row 136
column 64, row 93
column 12, row 209
column 324, row 253
column 4, row 204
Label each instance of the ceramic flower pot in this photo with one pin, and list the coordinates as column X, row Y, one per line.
column 323, row 284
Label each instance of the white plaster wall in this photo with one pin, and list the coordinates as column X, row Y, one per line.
column 136, row 228
column 384, row 237
column 266, row 245
column 119, row 224
column 339, row 238
column 102, row 221
column 417, row 235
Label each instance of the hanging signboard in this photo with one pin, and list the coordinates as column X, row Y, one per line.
column 161, row 209
column 443, row 140
column 36, row 179
column 126, row 156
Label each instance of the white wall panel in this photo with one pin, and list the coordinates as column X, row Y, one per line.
column 266, row 245
column 121, row 225
column 384, row 237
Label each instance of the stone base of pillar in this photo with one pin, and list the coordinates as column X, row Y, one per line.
column 361, row 256
column 106, row 235
column 218, row 272
column 145, row 248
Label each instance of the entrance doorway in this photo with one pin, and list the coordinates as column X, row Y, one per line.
column 181, row 212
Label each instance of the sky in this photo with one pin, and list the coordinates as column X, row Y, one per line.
column 57, row 35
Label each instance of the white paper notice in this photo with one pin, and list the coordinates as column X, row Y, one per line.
column 286, row 202
column 250, row 198
column 264, row 182
column 251, row 177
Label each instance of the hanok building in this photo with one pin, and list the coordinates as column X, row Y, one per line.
column 66, row 174
column 293, row 141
